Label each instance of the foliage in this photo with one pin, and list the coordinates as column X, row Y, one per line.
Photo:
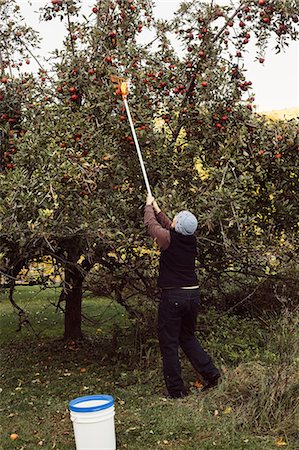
column 74, row 190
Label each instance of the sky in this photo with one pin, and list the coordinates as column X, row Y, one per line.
column 275, row 83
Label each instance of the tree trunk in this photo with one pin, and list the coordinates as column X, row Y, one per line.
column 73, row 297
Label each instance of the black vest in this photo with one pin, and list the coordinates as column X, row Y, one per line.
column 177, row 262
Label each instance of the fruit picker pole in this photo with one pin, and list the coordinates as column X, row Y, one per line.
column 124, row 93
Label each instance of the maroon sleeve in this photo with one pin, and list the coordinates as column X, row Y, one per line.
column 155, row 229
column 163, row 220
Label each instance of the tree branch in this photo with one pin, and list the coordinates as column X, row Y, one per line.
column 193, row 78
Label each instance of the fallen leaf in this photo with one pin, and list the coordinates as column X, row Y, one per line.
column 83, row 370
column 280, row 442
column 198, row 384
column 228, row 410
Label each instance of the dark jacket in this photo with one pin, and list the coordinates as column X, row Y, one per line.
column 178, row 252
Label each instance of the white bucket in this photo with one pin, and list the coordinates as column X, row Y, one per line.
column 93, row 422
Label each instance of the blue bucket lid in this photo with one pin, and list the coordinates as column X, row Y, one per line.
column 105, row 401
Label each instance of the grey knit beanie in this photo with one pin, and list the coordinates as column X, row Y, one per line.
column 186, row 223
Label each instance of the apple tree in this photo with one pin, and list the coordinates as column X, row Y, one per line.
column 17, row 93
column 77, row 173
column 207, row 156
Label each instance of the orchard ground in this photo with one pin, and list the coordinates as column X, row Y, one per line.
column 255, row 407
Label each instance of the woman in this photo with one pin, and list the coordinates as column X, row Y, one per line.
column 179, row 305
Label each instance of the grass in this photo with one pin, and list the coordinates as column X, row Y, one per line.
column 253, row 409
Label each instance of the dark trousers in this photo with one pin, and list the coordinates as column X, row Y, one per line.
column 177, row 315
